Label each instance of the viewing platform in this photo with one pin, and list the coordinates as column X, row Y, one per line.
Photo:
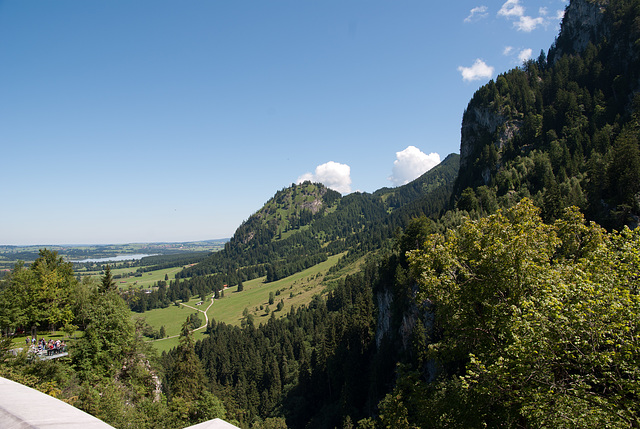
column 35, row 353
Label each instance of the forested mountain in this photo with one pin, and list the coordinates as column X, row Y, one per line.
column 303, row 218
column 504, row 321
column 526, row 313
column 562, row 129
column 304, row 224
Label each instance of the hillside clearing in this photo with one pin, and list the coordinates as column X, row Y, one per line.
column 293, row 291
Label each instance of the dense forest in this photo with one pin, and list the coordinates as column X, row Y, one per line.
column 563, row 128
column 500, row 289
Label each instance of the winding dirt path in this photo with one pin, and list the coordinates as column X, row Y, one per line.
column 206, row 320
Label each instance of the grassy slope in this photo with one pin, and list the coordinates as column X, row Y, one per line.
column 147, row 280
column 229, row 309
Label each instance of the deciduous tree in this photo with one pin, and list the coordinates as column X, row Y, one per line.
column 538, row 322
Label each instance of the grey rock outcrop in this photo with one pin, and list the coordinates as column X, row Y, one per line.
column 583, row 22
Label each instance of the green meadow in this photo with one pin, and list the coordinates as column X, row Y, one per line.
column 174, row 316
column 146, row 281
column 129, row 279
column 294, row 291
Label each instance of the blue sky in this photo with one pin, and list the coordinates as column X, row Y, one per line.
column 153, row 120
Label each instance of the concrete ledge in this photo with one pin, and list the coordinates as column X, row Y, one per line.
column 24, row 407
column 213, row 424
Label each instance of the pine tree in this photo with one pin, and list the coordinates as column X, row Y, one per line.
column 186, row 375
column 107, row 283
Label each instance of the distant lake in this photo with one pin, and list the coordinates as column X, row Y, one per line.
column 116, row 258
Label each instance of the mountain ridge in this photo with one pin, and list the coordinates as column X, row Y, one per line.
column 285, row 234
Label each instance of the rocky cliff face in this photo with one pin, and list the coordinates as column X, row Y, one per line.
column 480, row 125
column 584, row 21
column 478, row 122
column 404, row 327
column 547, row 130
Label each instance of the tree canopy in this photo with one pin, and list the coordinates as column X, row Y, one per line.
column 40, row 295
column 538, row 323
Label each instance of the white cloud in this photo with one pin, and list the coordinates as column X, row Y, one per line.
column 331, row 174
column 410, row 164
column 512, row 8
column 477, row 13
column 479, row 70
column 507, row 50
column 528, row 24
column 525, row 55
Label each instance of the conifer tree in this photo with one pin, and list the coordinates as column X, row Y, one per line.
column 107, row 282
column 186, row 376
column 191, row 400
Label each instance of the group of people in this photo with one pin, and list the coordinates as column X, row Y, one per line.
column 43, row 346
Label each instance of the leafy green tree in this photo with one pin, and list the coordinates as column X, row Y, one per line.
column 413, row 236
column 55, row 283
column 537, row 322
column 195, row 321
column 394, row 414
column 84, row 293
column 112, row 373
column 41, row 295
column 270, row 423
column 5, row 345
column 108, row 336
column 14, row 299
column 468, row 200
column 479, row 272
